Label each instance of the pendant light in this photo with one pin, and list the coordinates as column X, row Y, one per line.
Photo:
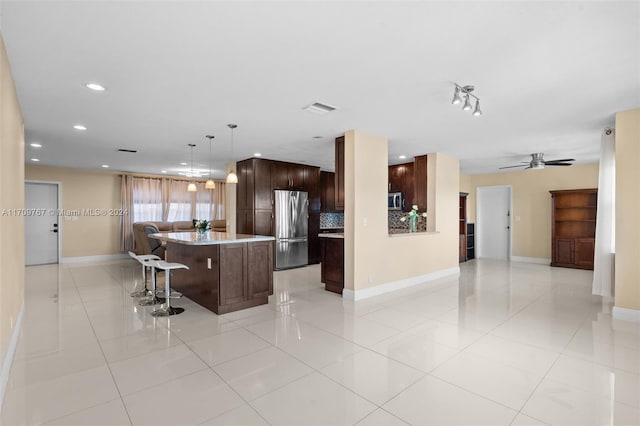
column 192, row 186
column 210, row 183
column 232, row 177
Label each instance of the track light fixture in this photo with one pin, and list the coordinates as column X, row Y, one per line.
column 465, row 91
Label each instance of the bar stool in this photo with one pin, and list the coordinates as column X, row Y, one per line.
column 144, row 261
column 168, row 309
column 153, row 298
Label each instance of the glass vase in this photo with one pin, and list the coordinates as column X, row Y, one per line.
column 413, row 224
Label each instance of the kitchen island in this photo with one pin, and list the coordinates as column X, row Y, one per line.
column 227, row 272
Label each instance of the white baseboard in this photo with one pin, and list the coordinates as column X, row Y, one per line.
column 626, row 314
column 538, row 260
column 397, row 285
column 100, row 258
column 11, row 351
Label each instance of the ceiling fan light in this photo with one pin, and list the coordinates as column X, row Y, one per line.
column 467, row 104
column 456, row 96
column 210, row 184
column 477, row 111
column 232, row 178
column 192, row 187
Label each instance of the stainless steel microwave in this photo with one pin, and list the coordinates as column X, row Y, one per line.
column 395, row 201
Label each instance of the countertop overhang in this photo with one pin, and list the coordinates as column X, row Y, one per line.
column 331, row 235
column 208, row 238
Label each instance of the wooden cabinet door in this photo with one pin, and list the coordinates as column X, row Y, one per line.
column 585, row 248
column 420, row 182
column 242, row 192
column 396, row 175
column 296, row 176
column 263, row 222
column 263, row 190
column 280, row 175
column 407, row 186
column 339, row 177
column 565, row 251
column 233, row 279
column 260, row 268
column 313, row 239
column 312, row 186
column 327, row 191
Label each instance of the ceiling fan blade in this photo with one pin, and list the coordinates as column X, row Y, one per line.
column 511, row 167
column 558, row 164
column 559, row 161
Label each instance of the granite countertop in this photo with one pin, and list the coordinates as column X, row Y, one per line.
column 331, row 235
column 208, row 238
column 331, row 228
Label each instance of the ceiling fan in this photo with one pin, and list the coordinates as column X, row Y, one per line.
column 537, row 162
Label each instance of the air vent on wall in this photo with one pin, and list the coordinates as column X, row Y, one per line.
column 132, row 151
column 319, row 108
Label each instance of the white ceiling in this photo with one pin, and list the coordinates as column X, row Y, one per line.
column 550, row 75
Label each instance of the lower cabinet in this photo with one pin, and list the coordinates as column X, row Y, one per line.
column 332, row 264
column 224, row 277
column 574, row 252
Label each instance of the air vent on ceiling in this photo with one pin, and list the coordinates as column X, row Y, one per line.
column 318, row 108
column 132, row 151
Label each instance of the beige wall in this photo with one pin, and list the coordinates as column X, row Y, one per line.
column 372, row 257
column 11, row 197
column 627, row 209
column 531, row 216
column 84, row 189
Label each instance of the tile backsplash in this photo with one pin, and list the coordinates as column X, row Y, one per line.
column 336, row 220
column 396, row 223
column 331, row 220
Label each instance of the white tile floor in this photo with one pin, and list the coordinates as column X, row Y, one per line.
column 503, row 344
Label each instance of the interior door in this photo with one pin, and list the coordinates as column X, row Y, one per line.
column 41, row 223
column 493, row 222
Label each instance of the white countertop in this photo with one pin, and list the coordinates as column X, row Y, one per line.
column 208, row 238
column 331, row 235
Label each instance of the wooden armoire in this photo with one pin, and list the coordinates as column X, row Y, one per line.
column 573, row 227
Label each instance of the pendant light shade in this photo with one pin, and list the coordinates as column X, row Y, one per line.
column 192, row 186
column 210, row 184
column 232, row 177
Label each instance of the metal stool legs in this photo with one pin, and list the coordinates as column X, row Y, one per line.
column 153, row 299
column 168, row 310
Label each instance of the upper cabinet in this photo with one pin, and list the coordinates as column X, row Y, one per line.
column 339, row 177
column 327, row 192
column 420, row 182
column 288, row 175
column 401, row 180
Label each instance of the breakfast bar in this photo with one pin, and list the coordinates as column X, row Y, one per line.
column 227, row 271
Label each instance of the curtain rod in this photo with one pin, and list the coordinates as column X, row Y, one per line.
column 169, row 177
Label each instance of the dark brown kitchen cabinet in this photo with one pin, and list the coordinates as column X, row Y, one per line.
column 257, row 178
column 327, row 192
column 233, row 273
column 420, row 182
column 339, row 176
column 332, row 266
column 462, row 227
column 401, row 180
column 573, row 227
column 288, row 175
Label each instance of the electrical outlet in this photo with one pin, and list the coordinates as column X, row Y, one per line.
column 364, row 221
column 370, row 279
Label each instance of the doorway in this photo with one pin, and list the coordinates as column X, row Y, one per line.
column 493, row 221
column 42, row 236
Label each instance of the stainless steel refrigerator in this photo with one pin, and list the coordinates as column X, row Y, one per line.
column 292, row 220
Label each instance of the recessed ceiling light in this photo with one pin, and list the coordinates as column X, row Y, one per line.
column 318, row 137
column 184, row 164
column 80, row 127
column 257, row 154
column 106, row 166
column 402, row 157
column 95, row 86
column 35, row 159
column 35, row 145
column 163, row 171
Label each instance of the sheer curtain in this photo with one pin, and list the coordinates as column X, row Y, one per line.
column 603, row 262
column 147, row 199
column 180, row 201
column 210, row 202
